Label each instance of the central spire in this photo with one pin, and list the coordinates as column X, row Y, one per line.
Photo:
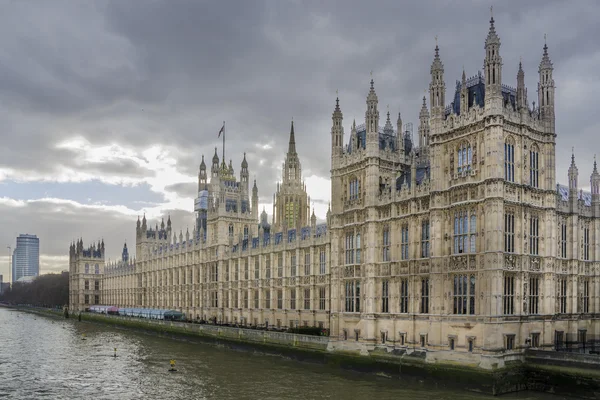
column 292, row 145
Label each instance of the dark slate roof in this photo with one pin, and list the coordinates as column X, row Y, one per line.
column 476, row 94
column 387, row 140
column 405, row 177
column 563, row 192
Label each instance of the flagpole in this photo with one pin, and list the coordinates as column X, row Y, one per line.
column 225, row 163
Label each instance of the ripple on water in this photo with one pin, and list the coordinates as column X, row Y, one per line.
column 46, row 358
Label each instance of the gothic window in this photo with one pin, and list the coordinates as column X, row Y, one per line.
column 404, row 295
column 86, row 285
column 534, row 171
column 353, row 296
column 245, row 232
column 214, row 272
column 267, row 267
column 231, row 230
column 280, row 265
column 292, row 173
column 465, row 157
column 534, row 235
column 322, row 298
column 473, row 231
column 509, row 295
column 386, row 244
column 256, row 268
column 534, row 294
column 214, row 298
column 246, row 272
column 425, row 296
column 96, row 285
column 464, row 294
column 425, row 239
column 563, row 239
column 87, row 299
column 586, row 242
column 404, row 242
column 509, row 232
column 280, row 299
column 322, row 262
column 237, row 271
column 354, row 189
column 307, row 299
column 290, row 214
column 292, row 299
column 562, row 295
column 349, row 248
column 268, row 298
column 585, row 296
column 358, row 252
column 385, row 296
column 509, row 161
column 256, row 299
column 293, row 265
column 87, row 268
column 96, row 269
column 306, row 262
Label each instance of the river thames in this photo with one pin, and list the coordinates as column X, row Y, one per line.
column 46, row 358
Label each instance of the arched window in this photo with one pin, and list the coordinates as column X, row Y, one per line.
column 509, row 161
column 465, row 230
column 96, row 269
column 87, row 268
column 354, row 188
column 245, row 232
column 358, row 248
column 230, row 230
column 534, row 171
column 465, row 157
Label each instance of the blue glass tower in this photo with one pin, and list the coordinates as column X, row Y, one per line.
column 26, row 257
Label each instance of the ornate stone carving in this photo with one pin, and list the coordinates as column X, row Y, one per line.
column 534, row 264
column 458, row 263
column 510, row 262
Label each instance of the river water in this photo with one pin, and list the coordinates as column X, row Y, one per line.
column 46, row 358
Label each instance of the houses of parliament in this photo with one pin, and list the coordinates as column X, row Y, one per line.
column 459, row 244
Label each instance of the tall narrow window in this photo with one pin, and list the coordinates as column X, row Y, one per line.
column 461, row 232
column 586, row 242
column 354, row 189
column 246, row 269
column 585, row 296
column 425, row 296
column 256, row 299
column 473, row 233
column 562, row 295
column 256, row 268
column 534, row 236
column 465, row 157
column 230, row 230
column 280, row 299
column 306, row 262
column 267, row 267
column 385, row 296
column 280, row 265
column 353, row 296
column 268, row 298
column 245, row 232
column 322, row 298
column 404, row 243
column 292, row 299
column 509, row 295
column 509, row 232
column 322, row 264
column 464, row 294
column 358, row 248
column 404, row 295
column 425, row 239
column 386, row 244
column 307, row 299
column 509, row 162
column 245, row 299
column 563, row 239
column 349, row 248
column 534, row 294
column 293, row 265
column 534, row 168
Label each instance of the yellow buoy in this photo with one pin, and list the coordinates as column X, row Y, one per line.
column 172, row 369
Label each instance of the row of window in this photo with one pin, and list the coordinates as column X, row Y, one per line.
column 509, row 165
column 294, row 268
column 96, row 268
column 86, row 285
column 252, row 297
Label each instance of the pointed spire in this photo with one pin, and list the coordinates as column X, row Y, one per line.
column 202, row 164
column 337, row 102
column 464, row 77
column 244, row 162
column 545, row 63
column 292, row 144
column 595, row 166
column 492, row 37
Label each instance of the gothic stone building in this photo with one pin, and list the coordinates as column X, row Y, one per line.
column 462, row 245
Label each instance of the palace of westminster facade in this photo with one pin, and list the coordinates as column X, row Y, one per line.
column 460, row 243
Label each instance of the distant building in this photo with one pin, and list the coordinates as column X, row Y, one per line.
column 26, row 257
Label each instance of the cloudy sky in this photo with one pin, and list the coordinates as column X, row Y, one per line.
column 106, row 107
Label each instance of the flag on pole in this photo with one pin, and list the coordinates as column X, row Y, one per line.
column 222, row 130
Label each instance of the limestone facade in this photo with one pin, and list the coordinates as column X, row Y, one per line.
column 461, row 245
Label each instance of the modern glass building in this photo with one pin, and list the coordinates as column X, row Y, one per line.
column 26, row 257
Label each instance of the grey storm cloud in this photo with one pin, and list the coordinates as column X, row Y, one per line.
column 140, row 73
